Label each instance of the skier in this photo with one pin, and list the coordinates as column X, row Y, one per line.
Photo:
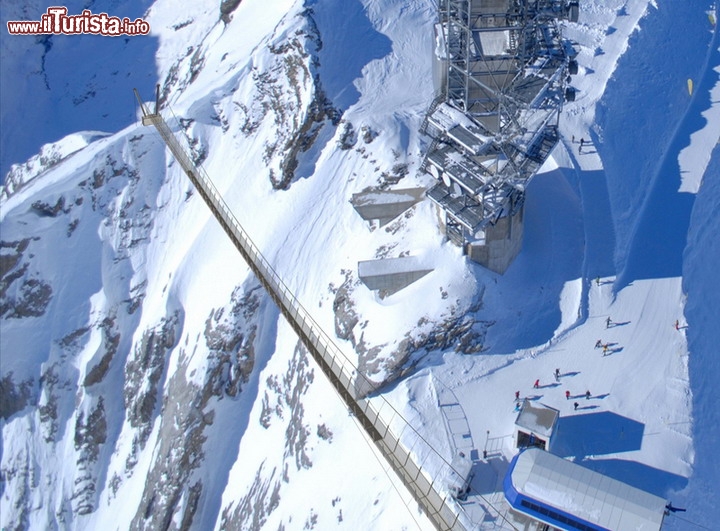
column 597, row 281
column 608, row 322
column 517, row 395
column 537, row 384
column 567, row 395
column 605, row 350
column 598, row 343
column 576, row 405
column 677, row 324
column 587, row 395
column 582, row 142
column 573, row 139
column 557, row 375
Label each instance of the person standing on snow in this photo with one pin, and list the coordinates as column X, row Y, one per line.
column 608, row 322
column 587, row 395
column 567, row 395
column 598, row 343
column 517, row 395
column 576, row 405
column 557, row 375
column 536, row 384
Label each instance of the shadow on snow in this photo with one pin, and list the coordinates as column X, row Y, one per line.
column 597, row 434
column 646, row 118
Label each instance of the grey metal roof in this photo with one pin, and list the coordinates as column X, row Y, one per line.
column 586, row 494
column 539, row 420
column 463, row 208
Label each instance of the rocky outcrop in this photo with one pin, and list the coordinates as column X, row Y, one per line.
column 383, row 364
column 226, row 9
column 22, row 292
column 230, row 337
column 142, row 376
column 14, row 397
column 179, row 452
column 171, row 494
column 90, row 435
column 282, row 404
column 290, row 91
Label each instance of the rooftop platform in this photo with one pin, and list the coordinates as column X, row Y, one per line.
column 385, row 205
column 465, row 209
column 540, row 419
column 390, row 275
column 470, row 175
column 448, row 120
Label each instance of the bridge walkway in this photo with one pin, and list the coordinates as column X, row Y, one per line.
column 380, row 424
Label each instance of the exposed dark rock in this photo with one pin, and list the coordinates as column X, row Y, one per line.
column 186, row 412
column 31, row 300
column 32, row 296
column 226, row 9
column 197, row 62
column 266, row 413
column 14, row 397
column 18, row 470
column 8, row 263
column 47, row 406
column 91, row 432
column 137, row 295
column 396, row 174
column 179, row 452
column 252, row 510
column 368, row 134
column 296, row 381
column 142, row 375
column 72, row 226
column 345, row 316
column 46, row 210
column 460, row 333
column 110, row 344
column 299, row 123
column 72, row 338
column 324, row 432
column 230, row 337
column 348, row 137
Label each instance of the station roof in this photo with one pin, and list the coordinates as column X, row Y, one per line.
column 569, row 489
column 540, row 419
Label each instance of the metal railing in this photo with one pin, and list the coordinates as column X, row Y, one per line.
column 399, row 443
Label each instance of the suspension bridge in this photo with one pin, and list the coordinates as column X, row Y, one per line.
column 398, row 442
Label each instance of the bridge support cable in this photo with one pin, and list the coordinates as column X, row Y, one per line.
column 440, row 507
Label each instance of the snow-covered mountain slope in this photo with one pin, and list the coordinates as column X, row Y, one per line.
column 149, row 382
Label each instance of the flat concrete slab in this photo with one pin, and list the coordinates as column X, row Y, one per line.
column 386, row 205
column 390, row 275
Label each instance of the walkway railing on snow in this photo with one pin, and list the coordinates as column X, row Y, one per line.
column 440, row 507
